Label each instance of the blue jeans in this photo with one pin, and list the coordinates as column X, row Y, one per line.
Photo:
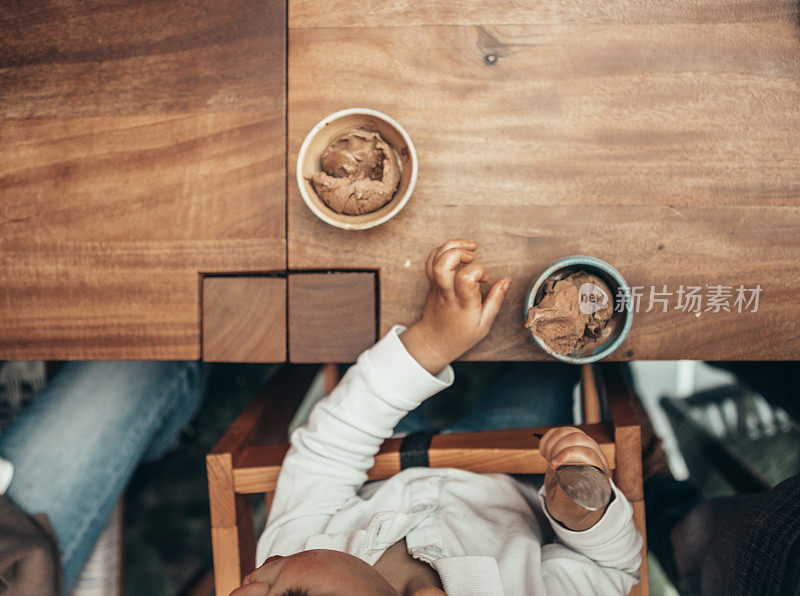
column 77, row 445
column 524, row 395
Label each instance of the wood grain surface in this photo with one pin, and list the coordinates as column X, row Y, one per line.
column 84, row 59
column 244, row 319
column 352, row 13
column 141, row 144
column 659, row 137
column 331, row 316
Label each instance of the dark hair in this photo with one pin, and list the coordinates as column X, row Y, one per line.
column 295, row 592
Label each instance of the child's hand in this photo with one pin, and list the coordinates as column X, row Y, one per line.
column 568, row 445
column 454, row 317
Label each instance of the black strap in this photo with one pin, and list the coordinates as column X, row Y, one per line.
column 414, row 450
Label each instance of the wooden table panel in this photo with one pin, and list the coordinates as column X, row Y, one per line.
column 331, row 316
column 244, row 319
column 141, row 145
column 352, row 13
column 667, row 149
column 143, row 178
column 75, row 58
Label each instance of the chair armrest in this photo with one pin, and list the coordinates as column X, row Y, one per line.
column 514, row 451
column 498, row 451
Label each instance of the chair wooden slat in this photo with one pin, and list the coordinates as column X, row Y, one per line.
column 628, row 439
column 513, row 451
column 265, row 419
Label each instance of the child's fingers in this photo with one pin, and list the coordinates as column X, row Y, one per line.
column 576, row 439
column 466, row 283
column 493, row 302
column 557, row 440
column 429, row 265
column 444, row 266
column 573, row 438
column 551, row 437
column 436, row 252
column 579, row 454
column 457, row 243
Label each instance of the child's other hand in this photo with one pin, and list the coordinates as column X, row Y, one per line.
column 454, row 317
column 569, row 445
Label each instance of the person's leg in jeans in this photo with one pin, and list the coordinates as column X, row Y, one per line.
column 76, row 446
column 414, row 422
column 524, row 395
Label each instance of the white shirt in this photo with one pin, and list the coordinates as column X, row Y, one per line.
column 479, row 531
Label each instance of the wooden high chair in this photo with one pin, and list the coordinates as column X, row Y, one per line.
column 247, row 460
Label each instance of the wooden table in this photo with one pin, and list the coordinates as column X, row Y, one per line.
column 143, row 212
column 662, row 137
column 141, row 146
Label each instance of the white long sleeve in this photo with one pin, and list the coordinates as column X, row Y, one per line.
column 480, row 532
column 330, row 455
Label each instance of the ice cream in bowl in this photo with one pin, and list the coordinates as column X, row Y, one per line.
column 356, row 169
column 578, row 310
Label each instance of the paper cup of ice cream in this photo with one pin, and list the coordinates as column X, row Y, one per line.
column 356, row 169
column 579, row 309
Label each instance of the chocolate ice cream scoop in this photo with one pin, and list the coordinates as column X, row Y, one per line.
column 573, row 311
column 360, row 173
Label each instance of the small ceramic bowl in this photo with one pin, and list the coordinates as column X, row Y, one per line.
column 336, row 125
column 622, row 319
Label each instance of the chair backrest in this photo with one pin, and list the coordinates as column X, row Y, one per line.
column 248, row 458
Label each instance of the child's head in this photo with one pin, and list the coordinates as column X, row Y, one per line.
column 318, row 572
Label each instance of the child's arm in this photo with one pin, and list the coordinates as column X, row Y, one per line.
column 596, row 551
column 331, row 454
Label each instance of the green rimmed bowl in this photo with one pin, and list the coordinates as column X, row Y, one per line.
column 622, row 318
